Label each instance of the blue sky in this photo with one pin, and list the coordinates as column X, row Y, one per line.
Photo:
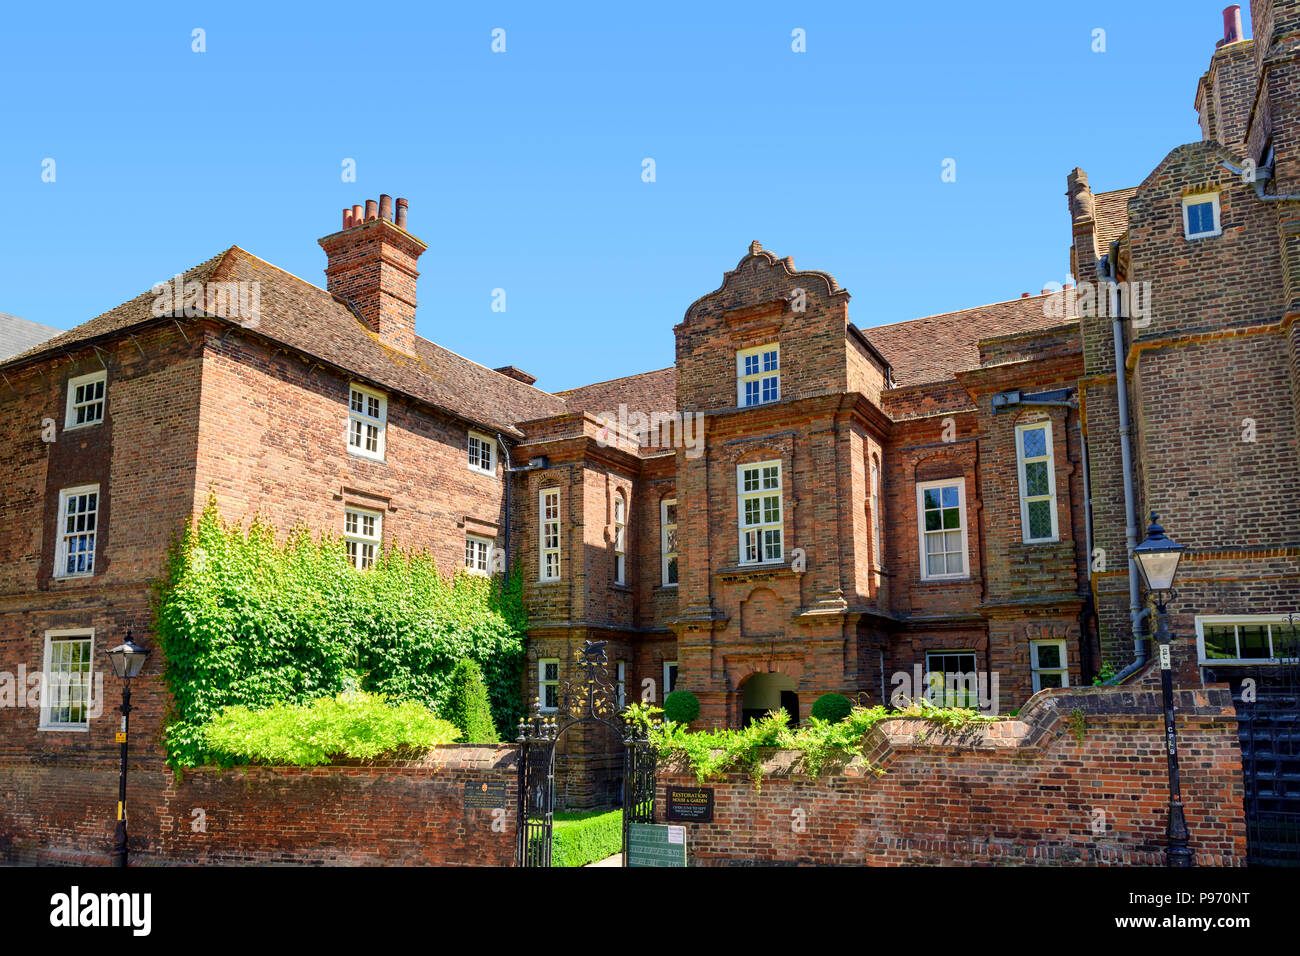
column 524, row 169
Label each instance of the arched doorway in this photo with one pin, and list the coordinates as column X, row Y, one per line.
column 764, row 692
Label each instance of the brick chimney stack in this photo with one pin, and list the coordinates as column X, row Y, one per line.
column 371, row 263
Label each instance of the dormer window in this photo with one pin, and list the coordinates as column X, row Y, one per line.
column 758, row 375
column 1201, row 216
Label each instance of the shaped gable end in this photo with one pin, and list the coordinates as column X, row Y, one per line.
column 769, row 333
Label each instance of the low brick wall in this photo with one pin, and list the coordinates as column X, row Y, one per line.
column 1031, row 790
column 389, row 812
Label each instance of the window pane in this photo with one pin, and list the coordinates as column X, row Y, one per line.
column 1048, row 679
column 950, row 496
column 1220, row 642
column 1036, row 479
column 931, row 497
column 1040, row 519
column 1049, row 655
column 1035, row 442
column 956, row 563
column 932, row 520
column 952, row 517
column 1253, row 640
column 934, row 564
column 952, row 541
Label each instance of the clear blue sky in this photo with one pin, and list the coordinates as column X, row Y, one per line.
column 523, row 169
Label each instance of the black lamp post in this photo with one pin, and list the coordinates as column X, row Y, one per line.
column 128, row 659
column 1157, row 558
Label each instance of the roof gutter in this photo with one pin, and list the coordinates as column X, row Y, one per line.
column 1261, row 175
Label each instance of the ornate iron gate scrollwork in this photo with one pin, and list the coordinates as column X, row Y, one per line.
column 587, row 700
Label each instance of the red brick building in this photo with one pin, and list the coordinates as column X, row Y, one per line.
column 797, row 506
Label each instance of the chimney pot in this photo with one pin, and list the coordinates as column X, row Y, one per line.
column 357, row 216
column 386, row 207
column 347, row 217
column 1024, row 295
column 402, row 206
column 1232, row 23
column 372, row 210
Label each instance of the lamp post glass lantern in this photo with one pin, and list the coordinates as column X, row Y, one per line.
column 1157, row 559
column 128, row 660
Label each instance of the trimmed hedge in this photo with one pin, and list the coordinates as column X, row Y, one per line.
column 581, row 838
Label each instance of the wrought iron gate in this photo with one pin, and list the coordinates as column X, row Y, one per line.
column 588, row 700
column 1268, row 725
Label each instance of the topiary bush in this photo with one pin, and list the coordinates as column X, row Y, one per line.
column 681, row 707
column 832, row 708
column 467, row 705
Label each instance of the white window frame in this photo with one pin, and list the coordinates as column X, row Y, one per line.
column 543, row 683
column 1276, row 623
column 70, row 412
column 360, row 538
column 549, row 541
column 361, row 419
column 762, row 527
column 975, row 669
column 666, row 557
column 760, row 376
column 876, row 536
column 478, row 554
column 1050, row 497
column 63, row 536
column 1197, row 199
column 620, row 539
column 670, row 681
column 921, row 488
column 1036, row 669
column 620, row 683
column 61, row 635
column 475, row 461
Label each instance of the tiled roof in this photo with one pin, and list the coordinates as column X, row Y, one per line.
column 1110, row 211
column 935, row 348
column 312, row 321
column 19, row 335
column 647, row 392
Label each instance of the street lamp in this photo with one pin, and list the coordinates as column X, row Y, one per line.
column 1157, row 559
column 128, row 660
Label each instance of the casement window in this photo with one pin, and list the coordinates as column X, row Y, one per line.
column 66, row 677
column 759, row 511
column 1037, row 482
column 367, row 422
column 670, row 677
column 941, row 511
column 953, row 679
column 85, row 400
column 1047, row 661
column 758, row 375
column 548, row 684
column 620, row 540
column 549, row 535
column 1201, row 216
column 363, row 531
column 876, row 556
column 482, row 454
column 77, row 529
column 668, row 542
column 1249, row 639
column 478, row 554
column 620, row 683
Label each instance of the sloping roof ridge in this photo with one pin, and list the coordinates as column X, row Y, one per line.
column 972, row 308
column 608, row 381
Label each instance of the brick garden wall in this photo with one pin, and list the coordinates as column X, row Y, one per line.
column 388, row 812
column 1024, row 791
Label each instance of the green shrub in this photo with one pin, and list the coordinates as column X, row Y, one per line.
column 467, row 705
column 581, row 838
column 243, row 619
column 681, row 707
column 353, row 725
column 831, row 708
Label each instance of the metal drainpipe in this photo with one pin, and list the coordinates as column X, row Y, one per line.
column 1262, row 175
column 506, row 477
column 1106, row 272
